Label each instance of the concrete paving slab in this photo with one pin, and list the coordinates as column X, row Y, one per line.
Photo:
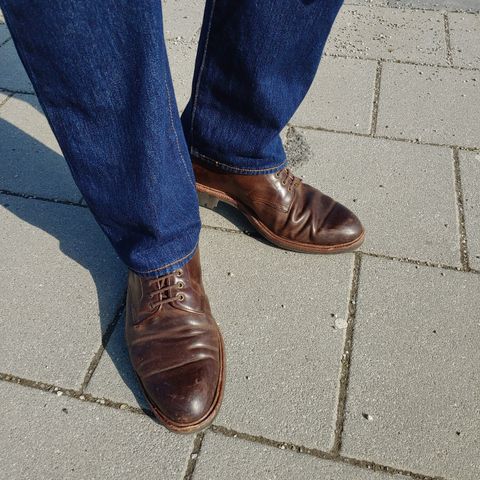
column 390, row 33
column 61, row 284
column 465, row 39
column 182, row 19
column 274, row 388
column 32, row 162
column 452, row 5
column 225, row 217
column 442, row 5
column 12, row 74
column 45, row 437
column 415, row 361
column 470, row 172
column 413, row 393
column 4, row 33
column 437, row 105
column 402, row 192
column 114, row 377
column 341, row 96
column 226, row 458
column 369, row 3
column 181, row 56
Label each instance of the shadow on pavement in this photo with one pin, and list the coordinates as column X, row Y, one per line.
column 78, row 236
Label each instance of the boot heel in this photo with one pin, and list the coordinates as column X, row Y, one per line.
column 207, row 200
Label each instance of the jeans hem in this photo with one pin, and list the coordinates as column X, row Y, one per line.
column 167, row 268
column 234, row 169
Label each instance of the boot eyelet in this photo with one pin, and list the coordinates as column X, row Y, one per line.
column 277, row 174
column 284, row 183
column 181, row 297
column 180, row 285
column 179, row 273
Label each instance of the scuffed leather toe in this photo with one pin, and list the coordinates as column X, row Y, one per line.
column 175, row 399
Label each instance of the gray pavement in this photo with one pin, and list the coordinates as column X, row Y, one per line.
column 356, row 366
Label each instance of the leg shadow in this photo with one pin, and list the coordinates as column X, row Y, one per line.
column 29, row 168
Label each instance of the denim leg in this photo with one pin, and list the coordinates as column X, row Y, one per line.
column 255, row 63
column 100, row 70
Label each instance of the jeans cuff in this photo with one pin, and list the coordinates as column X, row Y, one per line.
column 252, row 166
column 169, row 267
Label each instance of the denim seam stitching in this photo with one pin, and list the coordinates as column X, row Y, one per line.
column 168, row 264
column 202, row 66
column 175, row 131
column 240, row 169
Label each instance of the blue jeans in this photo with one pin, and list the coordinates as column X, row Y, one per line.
column 100, row 70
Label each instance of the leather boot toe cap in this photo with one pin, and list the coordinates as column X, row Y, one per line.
column 185, row 400
column 342, row 226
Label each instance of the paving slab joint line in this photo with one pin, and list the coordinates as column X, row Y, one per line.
column 412, row 261
column 71, row 393
column 425, row 263
column 384, row 137
column 105, row 338
column 233, row 230
column 20, row 92
column 363, row 464
column 192, row 459
column 376, row 98
column 346, row 356
column 7, row 98
column 30, row 196
column 5, row 41
column 410, row 7
column 420, row 263
column 464, row 257
column 401, row 62
column 332, row 55
column 75, row 394
column 448, row 43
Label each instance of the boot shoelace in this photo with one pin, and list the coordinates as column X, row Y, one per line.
column 165, row 289
column 288, row 178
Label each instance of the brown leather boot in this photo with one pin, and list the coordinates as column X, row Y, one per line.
column 176, row 347
column 286, row 211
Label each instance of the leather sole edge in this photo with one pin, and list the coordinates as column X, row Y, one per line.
column 276, row 239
